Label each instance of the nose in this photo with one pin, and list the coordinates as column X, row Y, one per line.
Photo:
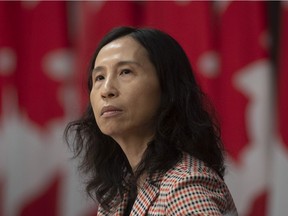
column 109, row 89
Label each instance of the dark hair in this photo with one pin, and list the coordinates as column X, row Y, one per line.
column 185, row 123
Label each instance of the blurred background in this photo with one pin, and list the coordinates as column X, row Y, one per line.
column 239, row 52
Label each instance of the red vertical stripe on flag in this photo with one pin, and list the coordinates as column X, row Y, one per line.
column 241, row 26
column 244, row 99
column 8, row 18
column 191, row 24
column 43, row 30
column 8, row 55
column 283, row 76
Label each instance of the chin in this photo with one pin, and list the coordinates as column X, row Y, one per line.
column 109, row 132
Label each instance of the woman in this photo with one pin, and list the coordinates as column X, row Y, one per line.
column 147, row 139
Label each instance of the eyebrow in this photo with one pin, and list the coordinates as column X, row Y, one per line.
column 100, row 68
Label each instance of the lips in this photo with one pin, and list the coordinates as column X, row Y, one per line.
column 110, row 110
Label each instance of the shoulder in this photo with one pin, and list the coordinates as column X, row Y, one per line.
column 190, row 167
column 199, row 188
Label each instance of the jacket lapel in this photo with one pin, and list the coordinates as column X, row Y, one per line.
column 121, row 208
column 145, row 199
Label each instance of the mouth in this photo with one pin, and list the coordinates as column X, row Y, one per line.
column 108, row 111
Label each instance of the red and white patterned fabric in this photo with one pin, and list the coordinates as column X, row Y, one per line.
column 188, row 188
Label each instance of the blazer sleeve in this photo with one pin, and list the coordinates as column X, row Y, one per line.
column 200, row 194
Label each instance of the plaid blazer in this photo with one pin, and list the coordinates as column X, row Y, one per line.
column 189, row 188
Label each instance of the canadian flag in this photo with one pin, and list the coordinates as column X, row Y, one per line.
column 279, row 168
column 34, row 50
column 227, row 44
column 8, row 60
column 194, row 29
column 283, row 76
column 244, row 102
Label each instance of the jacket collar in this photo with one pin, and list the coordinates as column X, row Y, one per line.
column 147, row 194
column 145, row 198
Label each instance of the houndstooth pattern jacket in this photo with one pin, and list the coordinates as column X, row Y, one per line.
column 189, row 188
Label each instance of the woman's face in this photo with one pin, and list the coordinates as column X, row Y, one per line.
column 125, row 96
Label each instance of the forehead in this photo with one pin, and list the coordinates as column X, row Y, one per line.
column 122, row 48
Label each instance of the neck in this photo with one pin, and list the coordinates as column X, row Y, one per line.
column 134, row 148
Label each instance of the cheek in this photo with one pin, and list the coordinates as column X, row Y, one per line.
column 92, row 99
column 153, row 95
column 93, row 102
column 149, row 102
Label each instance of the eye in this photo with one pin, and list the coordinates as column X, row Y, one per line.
column 125, row 71
column 99, row 77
